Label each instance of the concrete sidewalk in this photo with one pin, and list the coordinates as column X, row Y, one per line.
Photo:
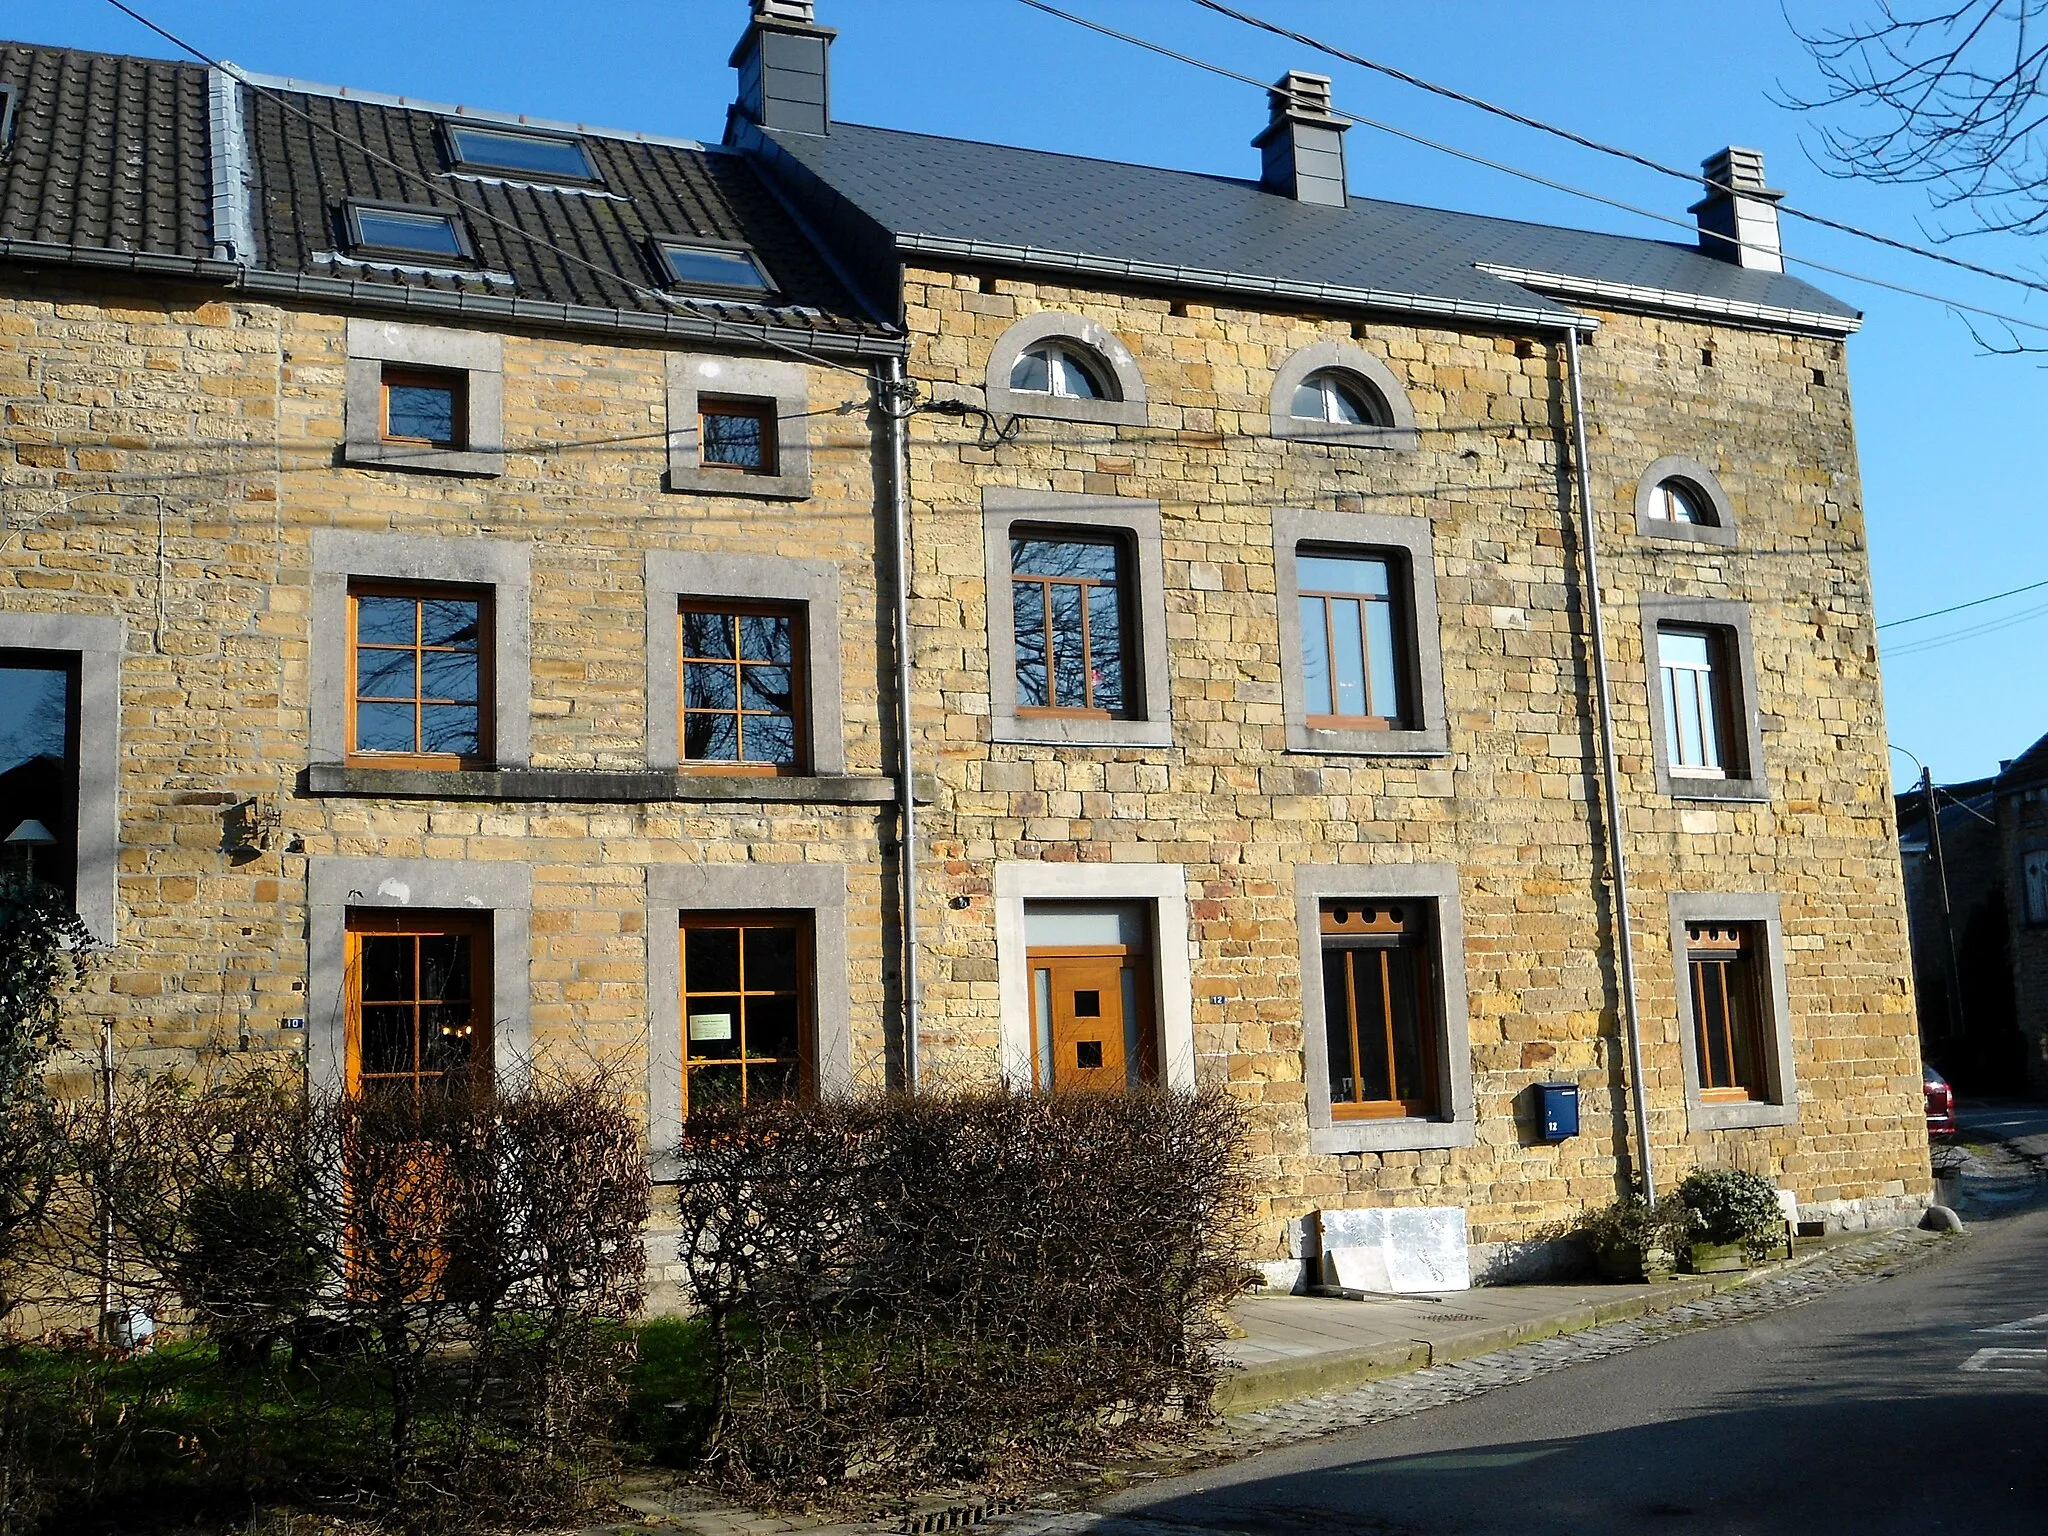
column 1302, row 1346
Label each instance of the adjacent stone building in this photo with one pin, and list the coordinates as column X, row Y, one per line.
column 1981, row 908
column 469, row 547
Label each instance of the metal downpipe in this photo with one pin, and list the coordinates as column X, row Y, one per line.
column 892, row 402
column 1617, row 851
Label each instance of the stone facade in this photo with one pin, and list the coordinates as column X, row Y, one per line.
column 171, row 462
column 1507, row 803
column 187, row 468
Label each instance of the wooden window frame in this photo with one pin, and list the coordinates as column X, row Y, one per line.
column 1127, row 653
column 763, row 413
column 1719, row 948
column 803, row 924
column 800, row 688
column 364, row 923
column 407, row 375
column 485, row 598
column 1392, row 928
column 1397, row 626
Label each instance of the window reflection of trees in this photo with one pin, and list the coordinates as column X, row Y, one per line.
column 741, row 688
column 1071, row 627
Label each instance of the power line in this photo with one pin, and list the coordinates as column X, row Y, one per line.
column 435, row 185
column 1598, row 147
column 1974, row 632
column 1975, row 602
column 1544, row 181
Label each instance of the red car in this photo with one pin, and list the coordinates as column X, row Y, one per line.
column 1941, row 1105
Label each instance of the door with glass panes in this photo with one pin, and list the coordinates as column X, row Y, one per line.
column 1091, row 996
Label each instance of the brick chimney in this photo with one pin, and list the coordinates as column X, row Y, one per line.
column 1738, row 217
column 1303, row 145
column 782, row 60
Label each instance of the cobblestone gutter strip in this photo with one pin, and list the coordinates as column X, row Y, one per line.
column 1277, row 1382
column 1462, row 1375
column 1454, row 1369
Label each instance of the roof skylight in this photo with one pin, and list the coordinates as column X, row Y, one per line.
column 415, row 231
column 529, row 154
column 726, row 268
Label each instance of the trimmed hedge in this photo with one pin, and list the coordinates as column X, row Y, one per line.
column 900, row 1291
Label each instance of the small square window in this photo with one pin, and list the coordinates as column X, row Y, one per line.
column 427, row 406
column 747, row 1027
column 742, row 687
column 726, row 267
column 7, row 96
column 1070, row 598
column 554, row 156
column 418, row 676
column 419, row 1003
column 737, row 434
column 417, row 232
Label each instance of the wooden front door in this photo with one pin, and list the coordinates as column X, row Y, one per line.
column 1085, row 995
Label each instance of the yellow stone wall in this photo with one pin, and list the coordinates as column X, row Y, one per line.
column 167, row 455
column 1509, row 804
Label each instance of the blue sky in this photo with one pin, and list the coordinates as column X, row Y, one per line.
column 1950, row 436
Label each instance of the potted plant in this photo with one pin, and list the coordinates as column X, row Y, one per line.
column 1735, row 1220
column 1635, row 1240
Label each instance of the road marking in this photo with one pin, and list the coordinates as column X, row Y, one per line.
column 2035, row 1324
column 1989, row 1360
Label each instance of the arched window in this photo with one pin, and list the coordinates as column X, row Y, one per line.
column 1331, row 395
column 1062, row 370
column 1680, row 501
column 1679, row 498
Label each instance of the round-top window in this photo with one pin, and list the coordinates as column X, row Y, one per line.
column 1680, row 501
column 1063, row 371
column 1340, row 398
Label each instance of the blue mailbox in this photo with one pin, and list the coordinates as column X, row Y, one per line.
column 1559, row 1104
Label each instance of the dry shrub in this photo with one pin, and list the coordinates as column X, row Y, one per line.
column 411, row 1309
column 902, row 1291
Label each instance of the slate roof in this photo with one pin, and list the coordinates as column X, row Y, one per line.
column 305, row 164
column 107, row 153
column 2029, row 768
column 961, row 197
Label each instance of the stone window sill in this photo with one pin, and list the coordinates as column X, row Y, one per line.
column 1389, row 1135
column 586, row 784
column 1749, row 791
column 476, row 464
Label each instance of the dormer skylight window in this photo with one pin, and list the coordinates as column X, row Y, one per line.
column 419, row 233
column 518, row 152
column 6, row 115
column 714, row 268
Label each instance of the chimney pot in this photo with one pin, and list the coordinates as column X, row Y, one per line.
column 783, row 60
column 1303, row 143
column 1738, row 218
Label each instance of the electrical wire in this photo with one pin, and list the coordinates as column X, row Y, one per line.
column 1598, row 147
column 436, row 185
column 1544, row 181
column 1973, row 632
column 1975, row 602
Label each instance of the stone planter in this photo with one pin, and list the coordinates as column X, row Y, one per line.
column 1718, row 1258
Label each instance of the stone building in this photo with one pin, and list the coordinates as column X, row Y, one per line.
column 1254, row 670
column 1982, row 908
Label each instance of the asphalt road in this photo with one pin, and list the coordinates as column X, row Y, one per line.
column 1883, row 1407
